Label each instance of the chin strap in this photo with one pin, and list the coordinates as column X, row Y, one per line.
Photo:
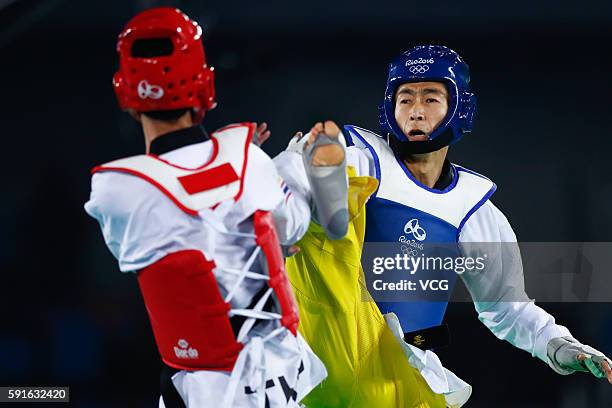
column 407, row 148
column 329, row 186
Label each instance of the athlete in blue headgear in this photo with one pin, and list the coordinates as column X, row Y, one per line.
column 421, row 198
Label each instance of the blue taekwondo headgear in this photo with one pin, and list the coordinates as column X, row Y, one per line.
column 435, row 63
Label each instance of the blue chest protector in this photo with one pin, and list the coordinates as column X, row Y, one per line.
column 404, row 210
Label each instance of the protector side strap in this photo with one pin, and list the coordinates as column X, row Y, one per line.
column 430, row 338
column 267, row 239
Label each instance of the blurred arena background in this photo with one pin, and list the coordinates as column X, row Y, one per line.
column 541, row 72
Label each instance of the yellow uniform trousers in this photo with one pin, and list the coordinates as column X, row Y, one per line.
column 367, row 366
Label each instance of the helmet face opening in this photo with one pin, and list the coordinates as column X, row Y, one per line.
column 151, row 47
column 430, row 63
column 451, row 89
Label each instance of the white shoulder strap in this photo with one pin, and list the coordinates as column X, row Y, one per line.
column 194, row 189
column 467, row 193
column 378, row 147
column 475, row 188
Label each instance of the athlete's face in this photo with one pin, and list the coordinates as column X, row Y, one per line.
column 419, row 108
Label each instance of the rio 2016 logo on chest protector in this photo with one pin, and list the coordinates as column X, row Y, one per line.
column 413, row 228
column 419, row 61
column 184, row 351
column 147, row 90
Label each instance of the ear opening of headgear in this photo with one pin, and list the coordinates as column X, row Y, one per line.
column 162, row 64
column 430, row 63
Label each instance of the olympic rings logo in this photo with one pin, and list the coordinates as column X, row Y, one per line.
column 413, row 227
column 419, row 69
column 146, row 90
column 411, row 252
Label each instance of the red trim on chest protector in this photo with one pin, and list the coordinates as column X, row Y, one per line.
column 195, row 183
column 208, row 179
column 150, row 180
column 249, row 138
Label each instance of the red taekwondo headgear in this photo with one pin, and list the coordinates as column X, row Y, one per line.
column 162, row 65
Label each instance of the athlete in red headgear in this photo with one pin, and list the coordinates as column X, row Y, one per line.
column 162, row 65
column 200, row 219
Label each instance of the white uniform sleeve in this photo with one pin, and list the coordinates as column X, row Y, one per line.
column 290, row 208
column 361, row 160
column 135, row 218
column 498, row 291
column 291, row 168
column 99, row 206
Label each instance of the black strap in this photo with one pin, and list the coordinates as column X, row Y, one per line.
column 178, row 138
column 446, row 176
column 171, row 397
column 404, row 149
column 430, row 338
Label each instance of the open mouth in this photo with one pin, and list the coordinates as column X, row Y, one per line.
column 417, row 135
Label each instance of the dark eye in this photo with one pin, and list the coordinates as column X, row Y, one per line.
column 403, row 101
column 431, row 100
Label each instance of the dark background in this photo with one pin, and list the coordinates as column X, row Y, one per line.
column 542, row 76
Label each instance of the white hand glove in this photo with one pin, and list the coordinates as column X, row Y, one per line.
column 297, row 143
column 567, row 355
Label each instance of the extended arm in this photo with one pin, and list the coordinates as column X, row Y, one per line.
column 498, row 293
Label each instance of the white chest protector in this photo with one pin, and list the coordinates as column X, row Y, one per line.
column 454, row 205
column 196, row 327
column 198, row 188
column 404, row 210
column 183, row 301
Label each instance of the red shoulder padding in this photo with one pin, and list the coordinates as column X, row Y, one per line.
column 208, row 179
column 188, row 315
column 267, row 239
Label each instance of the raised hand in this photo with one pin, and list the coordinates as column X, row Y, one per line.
column 261, row 134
